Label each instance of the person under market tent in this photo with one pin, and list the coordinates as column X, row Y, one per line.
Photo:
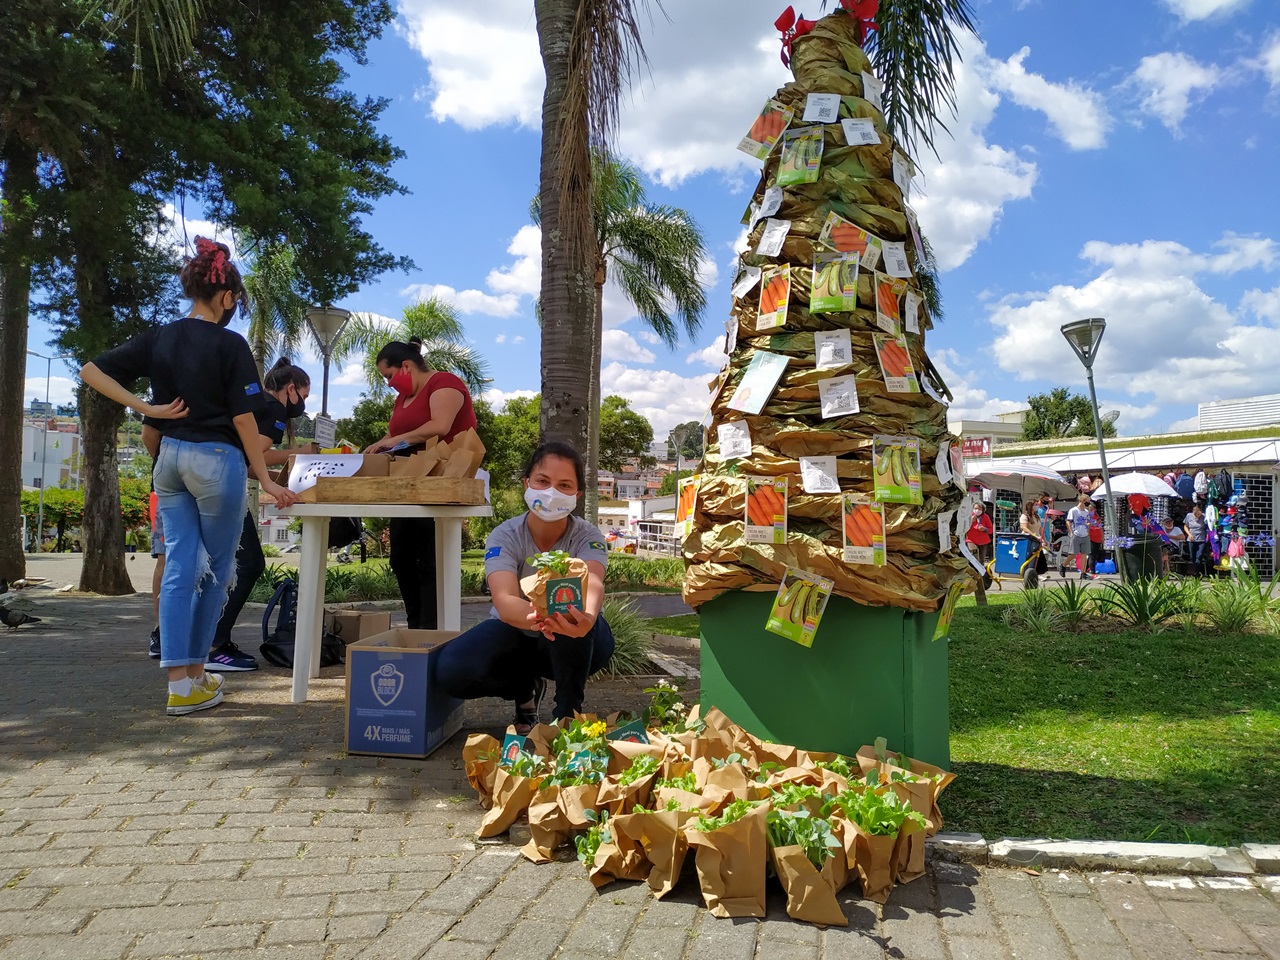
column 513, row 653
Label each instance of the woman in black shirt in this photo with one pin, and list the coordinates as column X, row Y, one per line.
column 204, row 383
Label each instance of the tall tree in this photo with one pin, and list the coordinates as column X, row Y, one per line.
column 433, row 321
column 588, row 48
column 685, row 440
column 655, row 253
column 624, row 435
column 1060, row 413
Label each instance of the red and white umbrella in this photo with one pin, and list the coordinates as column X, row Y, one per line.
column 1028, row 479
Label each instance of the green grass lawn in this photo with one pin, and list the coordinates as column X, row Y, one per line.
column 1120, row 735
column 685, row 626
column 1117, row 736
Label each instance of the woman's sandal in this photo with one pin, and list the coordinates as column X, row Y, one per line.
column 527, row 717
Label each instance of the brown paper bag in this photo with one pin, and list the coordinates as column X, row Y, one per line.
column 731, row 782
column 872, row 858
column 731, row 865
column 762, row 751
column 621, row 857
column 661, row 836
column 575, row 801
column 466, row 452
column 623, row 753
column 810, row 896
column 535, row 586
column 511, row 796
column 674, row 768
column 619, row 799
column 480, row 756
column 548, row 825
column 938, row 781
column 540, row 738
column 688, row 801
column 908, row 856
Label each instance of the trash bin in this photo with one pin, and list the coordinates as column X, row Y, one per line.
column 1141, row 561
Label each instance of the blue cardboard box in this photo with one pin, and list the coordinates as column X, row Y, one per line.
column 393, row 706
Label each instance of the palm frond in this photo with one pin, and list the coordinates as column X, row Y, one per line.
column 169, row 27
column 914, row 53
column 435, row 322
column 663, row 248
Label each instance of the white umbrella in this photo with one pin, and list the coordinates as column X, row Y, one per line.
column 1128, row 483
column 1028, row 479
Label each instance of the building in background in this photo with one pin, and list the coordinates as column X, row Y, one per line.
column 50, row 455
column 1237, row 414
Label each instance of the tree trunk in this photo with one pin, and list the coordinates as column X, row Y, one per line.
column 19, row 181
column 591, row 504
column 568, row 288
column 103, row 570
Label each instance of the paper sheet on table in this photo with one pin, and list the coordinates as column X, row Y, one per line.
column 818, row 475
column 308, row 468
column 860, row 132
column 735, row 439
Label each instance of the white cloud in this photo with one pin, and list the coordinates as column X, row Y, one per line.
column 500, row 338
column 524, row 277
column 712, row 355
column 1167, row 339
column 62, row 390
column 620, row 345
column 1263, row 304
column 485, row 65
column 968, row 402
column 962, row 191
column 1169, row 83
column 179, row 233
column 1077, row 114
column 1269, row 61
column 350, row 375
column 497, row 398
column 662, row 397
column 466, row 301
column 648, row 336
column 1189, row 10
column 517, row 339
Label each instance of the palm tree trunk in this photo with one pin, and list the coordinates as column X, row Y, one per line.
column 591, row 499
column 103, row 570
column 19, row 182
column 567, row 269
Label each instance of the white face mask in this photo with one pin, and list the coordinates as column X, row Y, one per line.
column 549, row 504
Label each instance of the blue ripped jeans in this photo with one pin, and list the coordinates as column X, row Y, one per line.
column 200, row 489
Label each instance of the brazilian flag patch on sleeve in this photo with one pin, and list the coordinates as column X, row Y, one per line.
column 596, row 545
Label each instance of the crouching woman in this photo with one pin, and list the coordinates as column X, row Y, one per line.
column 514, row 653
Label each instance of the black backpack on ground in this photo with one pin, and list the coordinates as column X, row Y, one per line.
column 277, row 644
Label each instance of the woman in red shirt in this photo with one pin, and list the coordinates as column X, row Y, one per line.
column 429, row 403
column 979, row 533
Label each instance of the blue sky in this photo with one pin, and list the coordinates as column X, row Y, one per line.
column 1109, row 159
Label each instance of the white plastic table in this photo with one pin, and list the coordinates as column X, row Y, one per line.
column 311, row 570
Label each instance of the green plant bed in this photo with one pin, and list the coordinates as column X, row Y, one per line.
column 1115, row 734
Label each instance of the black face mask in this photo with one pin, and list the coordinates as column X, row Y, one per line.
column 226, row 316
column 293, row 410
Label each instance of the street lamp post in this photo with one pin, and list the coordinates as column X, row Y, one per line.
column 44, row 440
column 326, row 325
column 1084, row 337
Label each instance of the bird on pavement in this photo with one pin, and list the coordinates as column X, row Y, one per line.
column 13, row 619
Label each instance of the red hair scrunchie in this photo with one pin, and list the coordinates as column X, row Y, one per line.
column 217, row 271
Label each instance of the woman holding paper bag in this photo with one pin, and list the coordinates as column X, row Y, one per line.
column 513, row 653
column 430, row 404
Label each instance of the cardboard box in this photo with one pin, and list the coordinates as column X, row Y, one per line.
column 350, row 624
column 393, row 706
column 373, row 465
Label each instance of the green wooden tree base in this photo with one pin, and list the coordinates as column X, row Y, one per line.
column 871, row 672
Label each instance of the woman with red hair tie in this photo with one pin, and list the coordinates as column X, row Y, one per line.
column 204, row 394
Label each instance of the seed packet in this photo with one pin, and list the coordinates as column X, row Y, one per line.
column 872, row 90
column 772, row 237
column 835, row 283
column 801, row 156
column 864, row 536
column 767, row 207
column 687, row 495
column 911, row 311
column 860, row 132
column 821, row 108
column 841, row 235
column 895, row 260
column 895, row 364
column 748, row 276
column 735, row 440
column 775, row 292
column 889, row 291
column 766, row 130
column 819, row 475
column 799, row 605
column 758, row 381
column 897, row 469
column 832, row 349
column 948, row 611
column 903, row 171
column 838, row 397
column 766, row 513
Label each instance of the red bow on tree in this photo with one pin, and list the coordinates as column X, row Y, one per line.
column 863, row 13
column 791, row 26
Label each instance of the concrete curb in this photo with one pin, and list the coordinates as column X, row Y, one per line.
column 1181, row 858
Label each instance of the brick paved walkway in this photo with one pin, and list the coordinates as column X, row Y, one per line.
column 246, row 831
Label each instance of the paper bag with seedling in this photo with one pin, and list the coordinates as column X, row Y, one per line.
column 618, row 856
column 559, row 584
column 480, row 756
column 731, row 853
column 630, row 787
column 662, row 838
column 891, row 766
column 805, row 851
column 511, row 795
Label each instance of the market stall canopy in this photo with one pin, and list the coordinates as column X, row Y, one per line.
column 1128, row 483
column 1029, row 479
